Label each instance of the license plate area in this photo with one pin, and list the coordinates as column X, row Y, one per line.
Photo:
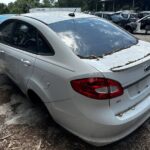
column 139, row 87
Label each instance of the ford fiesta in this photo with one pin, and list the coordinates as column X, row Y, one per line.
column 93, row 77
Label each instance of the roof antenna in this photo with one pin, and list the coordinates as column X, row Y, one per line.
column 73, row 14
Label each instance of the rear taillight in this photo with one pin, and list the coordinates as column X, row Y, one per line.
column 98, row 88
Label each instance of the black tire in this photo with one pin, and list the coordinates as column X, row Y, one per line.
column 146, row 32
column 36, row 100
column 147, row 28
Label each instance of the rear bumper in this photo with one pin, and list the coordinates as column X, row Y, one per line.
column 117, row 132
column 96, row 123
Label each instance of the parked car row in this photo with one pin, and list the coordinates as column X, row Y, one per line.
column 132, row 22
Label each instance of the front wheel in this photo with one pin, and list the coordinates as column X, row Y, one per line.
column 147, row 28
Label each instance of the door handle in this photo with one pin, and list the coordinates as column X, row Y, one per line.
column 2, row 52
column 26, row 62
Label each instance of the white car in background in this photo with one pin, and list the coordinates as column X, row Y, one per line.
column 141, row 26
column 93, row 77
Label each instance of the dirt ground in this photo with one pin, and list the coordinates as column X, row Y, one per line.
column 24, row 126
column 143, row 37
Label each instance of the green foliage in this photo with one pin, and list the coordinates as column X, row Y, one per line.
column 3, row 8
column 46, row 3
column 23, row 6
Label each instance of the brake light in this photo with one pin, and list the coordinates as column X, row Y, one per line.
column 98, row 88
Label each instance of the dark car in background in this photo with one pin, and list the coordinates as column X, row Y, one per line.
column 120, row 18
column 104, row 14
column 124, row 19
column 140, row 26
column 143, row 14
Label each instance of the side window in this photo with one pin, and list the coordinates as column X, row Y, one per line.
column 25, row 37
column 43, row 47
column 6, row 32
column 100, row 15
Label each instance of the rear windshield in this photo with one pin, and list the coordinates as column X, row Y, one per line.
column 92, row 36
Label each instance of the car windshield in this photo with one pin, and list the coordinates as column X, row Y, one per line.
column 107, row 16
column 92, row 36
column 125, row 16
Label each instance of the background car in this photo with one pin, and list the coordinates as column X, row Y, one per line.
column 104, row 14
column 121, row 18
column 143, row 14
column 124, row 18
column 140, row 26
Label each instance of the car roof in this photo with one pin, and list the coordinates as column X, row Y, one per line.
column 104, row 12
column 144, row 12
column 5, row 17
column 55, row 16
column 143, row 18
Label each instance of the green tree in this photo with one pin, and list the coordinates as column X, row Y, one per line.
column 46, row 3
column 22, row 6
column 3, row 8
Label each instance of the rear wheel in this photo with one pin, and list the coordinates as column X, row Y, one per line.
column 40, row 105
column 36, row 100
column 147, row 28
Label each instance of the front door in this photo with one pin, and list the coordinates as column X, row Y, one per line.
column 25, row 41
column 7, row 52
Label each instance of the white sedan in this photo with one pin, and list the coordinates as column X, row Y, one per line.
column 93, row 77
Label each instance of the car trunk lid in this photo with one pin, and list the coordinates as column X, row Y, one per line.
column 131, row 67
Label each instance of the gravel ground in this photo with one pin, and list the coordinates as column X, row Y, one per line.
column 24, row 126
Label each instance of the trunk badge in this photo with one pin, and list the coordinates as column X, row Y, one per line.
column 147, row 68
